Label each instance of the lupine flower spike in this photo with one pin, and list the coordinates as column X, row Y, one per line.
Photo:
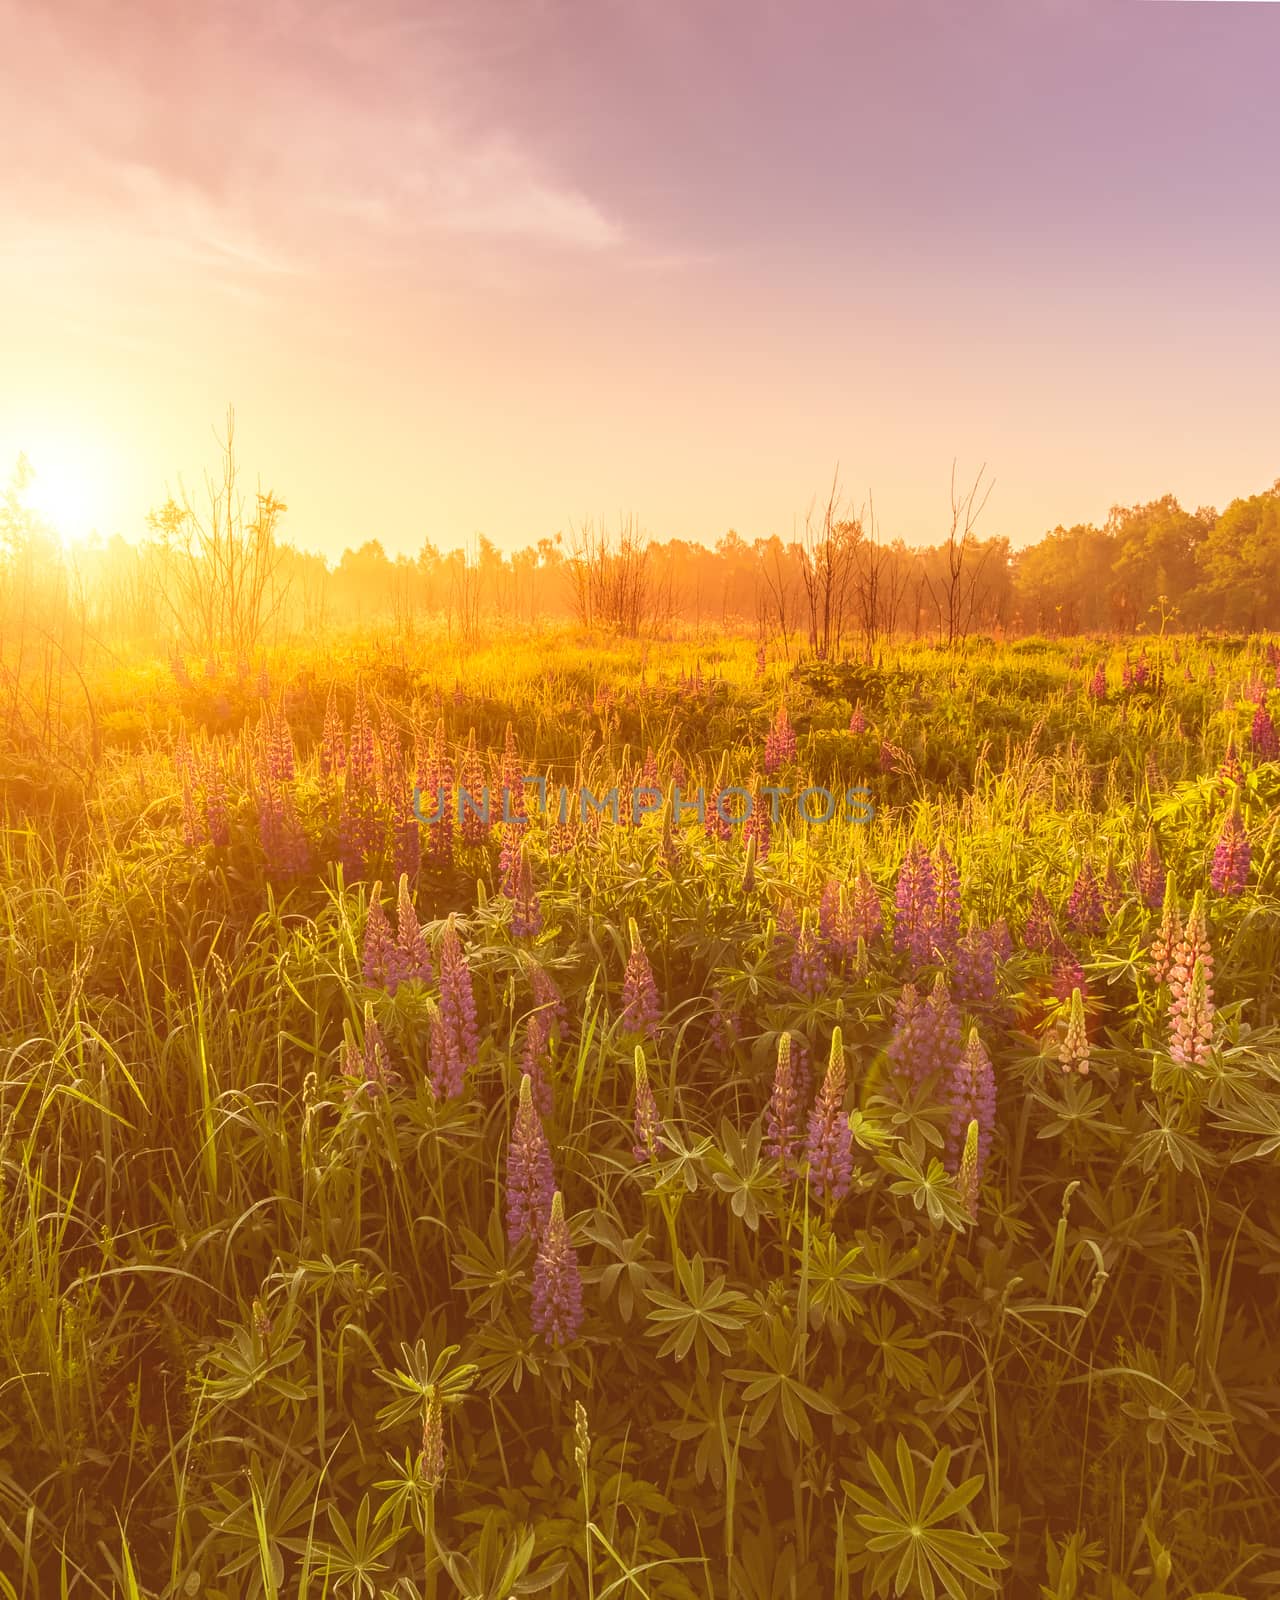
column 829, row 1146
column 1073, row 1048
column 782, row 1120
column 530, row 1178
column 646, row 1121
column 640, row 1005
column 557, row 1284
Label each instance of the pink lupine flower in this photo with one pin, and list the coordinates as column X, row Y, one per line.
column 858, row 721
column 1168, row 935
column 829, row 1145
column 1098, row 684
column 454, row 1037
column 333, row 745
column 946, row 923
column 557, row 1283
column 530, row 1175
column 975, row 966
column 1191, row 1019
column 1068, row 973
column 916, row 900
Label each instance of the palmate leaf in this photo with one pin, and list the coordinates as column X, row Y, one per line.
column 699, row 1318
column 903, row 1524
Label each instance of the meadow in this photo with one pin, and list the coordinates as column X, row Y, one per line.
column 668, row 1208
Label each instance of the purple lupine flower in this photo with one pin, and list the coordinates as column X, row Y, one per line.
column 333, row 746
column 1068, row 974
column 834, row 922
column 1001, row 939
column 946, row 927
column 782, row 1119
column 1038, row 932
column 1232, row 857
column 866, row 919
column 526, row 912
column 858, row 721
column 916, row 899
column 971, row 1093
column 533, row 1060
column 530, row 1176
column 472, row 796
column 1263, row 735
column 367, row 1067
column 547, row 997
column 557, row 1283
column 358, row 827
column 641, row 1008
column 829, row 1145
column 1150, row 877
column 1098, row 684
column 380, row 956
column 714, row 825
column 646, row 1123
column 808, row 965
column 926, row 1036
column 780, row 743
column 455, row 1040
column 411, row 942
column 1230, row 772
column 1085, row 911
column 722, row 1025
column 886, row 756
column 975, row 966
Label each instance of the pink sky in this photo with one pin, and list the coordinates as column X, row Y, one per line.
column 490, row 268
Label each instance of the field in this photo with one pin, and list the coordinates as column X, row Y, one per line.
column 655, row 1205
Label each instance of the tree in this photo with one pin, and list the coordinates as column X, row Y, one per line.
column 964, row 558
column 220, row 573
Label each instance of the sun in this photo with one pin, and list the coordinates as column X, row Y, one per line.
column 66, row 489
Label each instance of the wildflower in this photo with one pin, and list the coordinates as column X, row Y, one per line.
column 1068, row 973
column 358, row 826
column 1192, row 947
column 557, row 1284
column 1038, row 932
column 1084, row 906
column 333, row 748
column 1098, row 684
column 858, row 721
column 829, row 1145
column 916, row 901
column 1232, row 856
column 782, row 1119
column 1263, row 735
column 526, row 912
column 1073, row 1046
column 866, row 920
column 971, row 1092
column 946, row 926
column 472, row 796
column 969, row 1175
column 722, row 1027
column 1001, row 939
column 641, row 1008
column 435, row 792
column 380, row 955
column 808, row 967
column 758, row 826
column 1191, row 1018
column 780, row 743
column 1168, row 935
column 431, row 1457
column 1230, row 771
column 926, row 1037
column 530, row 1177
column 411, row 942
column 646, row 1120
column 1150, row 877
column 454, row 1037
column 975, row 967
column 367, row 1066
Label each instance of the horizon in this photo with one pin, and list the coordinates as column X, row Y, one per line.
column 455, row 290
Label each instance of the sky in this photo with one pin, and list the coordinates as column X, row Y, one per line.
column 489, row 268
